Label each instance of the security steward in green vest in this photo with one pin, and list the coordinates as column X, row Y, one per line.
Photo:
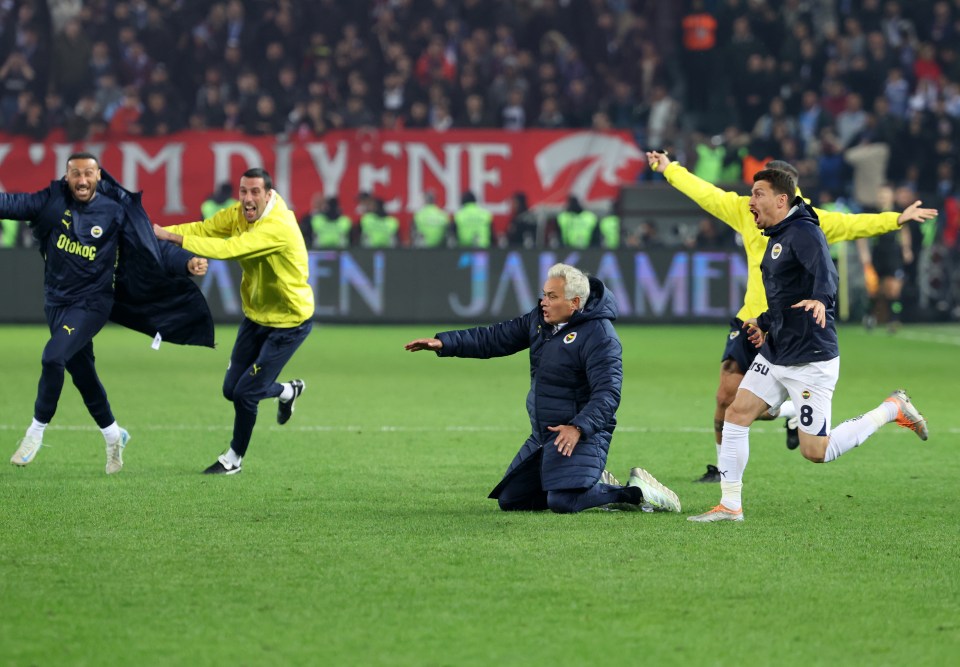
column 610, row 231
column 219, row 200
column 9, row 230
column 431, row 225
column 577, row 227
column 610, row 234
column 474, row 225
column 326, row 225
column 377, row 229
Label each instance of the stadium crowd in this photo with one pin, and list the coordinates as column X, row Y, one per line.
column 854, row 93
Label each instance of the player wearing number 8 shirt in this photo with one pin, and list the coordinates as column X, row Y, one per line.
column 799, row 356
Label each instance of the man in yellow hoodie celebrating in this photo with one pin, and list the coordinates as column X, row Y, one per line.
column 262, row 234
column 733, row 209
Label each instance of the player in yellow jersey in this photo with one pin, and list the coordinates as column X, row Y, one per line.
column 733, row 209
column 262, row 234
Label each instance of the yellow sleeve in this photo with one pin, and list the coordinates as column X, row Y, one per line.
column 838, row 226
column 728, row 207
column 262, row 240
column 219, row 226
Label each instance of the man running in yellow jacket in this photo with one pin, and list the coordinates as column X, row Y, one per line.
column 262, row 234
column 733, row 209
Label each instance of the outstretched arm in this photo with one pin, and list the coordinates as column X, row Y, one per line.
column 164, row 235
column 727, row 207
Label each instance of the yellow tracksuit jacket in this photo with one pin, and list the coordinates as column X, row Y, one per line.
column 271, row 251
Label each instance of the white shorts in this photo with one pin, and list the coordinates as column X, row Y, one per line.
column 810, row 387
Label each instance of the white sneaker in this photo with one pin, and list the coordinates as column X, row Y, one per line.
column 718, row 513
column 654, row 493
column 606, row 477
column 115, row 452
column 907, row 414
column 27, row 450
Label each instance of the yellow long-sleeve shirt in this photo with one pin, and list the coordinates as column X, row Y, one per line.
column 273, row 256
column 733, row 209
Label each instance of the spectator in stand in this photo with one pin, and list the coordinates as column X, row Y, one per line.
column 265, row 119
column 475, row 115
column 550, row 116
column 356, row 114
column 210, row 108
column 851, row 121
column 18, row 76
column 159, row 118
column 135, row 65
column 513, row 114
column 83, row 116
column 124, row 118
column 661, row 118
column 418, row 116
column 699, row 55
column 108, row 94
column 30, row 120
column 232, row 116
column 311, row 121
column 70, row 56
column 621, row 107
column 578, row 104
column 55, row 112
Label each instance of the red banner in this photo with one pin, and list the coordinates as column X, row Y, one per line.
column 176, row 173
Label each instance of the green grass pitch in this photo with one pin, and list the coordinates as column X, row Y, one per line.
column 360, row 532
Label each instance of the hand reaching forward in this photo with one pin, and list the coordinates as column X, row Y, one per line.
column 915, row 213
column 423, row 344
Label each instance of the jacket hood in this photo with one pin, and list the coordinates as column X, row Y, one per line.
column 110, row 187
column 600, row 305
column 803, row 210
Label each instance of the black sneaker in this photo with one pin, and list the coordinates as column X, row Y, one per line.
column 285, row 408
column 793, row 435
column 712, row 476
column 222, row 467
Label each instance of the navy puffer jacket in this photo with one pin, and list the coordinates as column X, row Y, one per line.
column 575, row 378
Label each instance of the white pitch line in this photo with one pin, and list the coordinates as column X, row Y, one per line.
column 950, row 430
column 920, row 337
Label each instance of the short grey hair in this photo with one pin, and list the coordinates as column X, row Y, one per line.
column 577, row 283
